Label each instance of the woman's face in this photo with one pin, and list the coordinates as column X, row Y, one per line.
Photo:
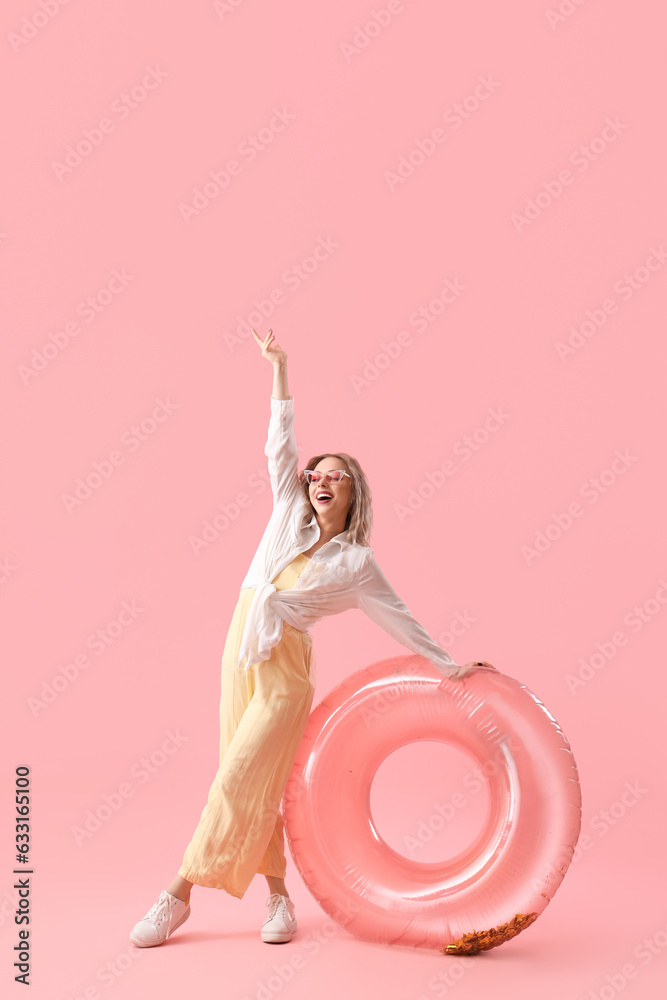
column 340, row 493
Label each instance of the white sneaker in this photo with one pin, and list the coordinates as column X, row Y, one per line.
column 164, row 916
column 280, row 924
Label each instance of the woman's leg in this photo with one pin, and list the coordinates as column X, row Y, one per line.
column 234, row 697
column 274, row 863
column 276, row 885
column 180, row 887
column 240, row 820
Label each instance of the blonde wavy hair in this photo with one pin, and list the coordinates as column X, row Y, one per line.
column 359, row 519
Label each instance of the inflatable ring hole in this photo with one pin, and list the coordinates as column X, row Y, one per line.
column 430, row 800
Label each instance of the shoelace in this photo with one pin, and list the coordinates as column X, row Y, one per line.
column 160, row 910
column 275, row 900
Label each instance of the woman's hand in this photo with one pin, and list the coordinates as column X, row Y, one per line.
column 270, row 348
column 278, row 358
column 468, row 668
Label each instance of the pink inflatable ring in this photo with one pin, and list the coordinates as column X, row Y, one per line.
column 511, row 871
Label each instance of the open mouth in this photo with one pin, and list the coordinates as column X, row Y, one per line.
column 323, row 496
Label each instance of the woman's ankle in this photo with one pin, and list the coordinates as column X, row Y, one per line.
column 180, row 888
column 278, row 887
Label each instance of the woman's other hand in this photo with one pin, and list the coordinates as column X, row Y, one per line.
column 468, row 668
column 270, row 348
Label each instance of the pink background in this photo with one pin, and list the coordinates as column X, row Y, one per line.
column 554, row 82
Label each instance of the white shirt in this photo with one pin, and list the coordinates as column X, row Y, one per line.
column 340, row 575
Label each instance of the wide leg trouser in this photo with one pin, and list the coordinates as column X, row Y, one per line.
column 263, row 713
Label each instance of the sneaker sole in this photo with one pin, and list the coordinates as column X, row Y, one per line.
column 154, row 944
column 277, row 937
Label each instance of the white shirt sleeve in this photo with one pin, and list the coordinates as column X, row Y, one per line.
column 380, row 602
column 281, row 451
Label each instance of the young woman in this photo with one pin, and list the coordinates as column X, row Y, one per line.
column 313, row 560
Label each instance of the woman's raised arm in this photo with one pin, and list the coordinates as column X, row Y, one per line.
column 272, row 350
column 281, row 450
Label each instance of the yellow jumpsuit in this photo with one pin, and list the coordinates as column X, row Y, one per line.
column 263, row 713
